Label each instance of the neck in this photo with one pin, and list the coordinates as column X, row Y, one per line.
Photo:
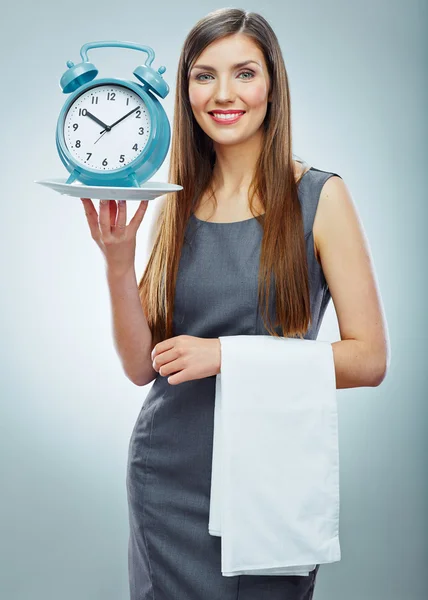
column 235, row 164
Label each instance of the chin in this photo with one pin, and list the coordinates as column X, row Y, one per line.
column 230, row 140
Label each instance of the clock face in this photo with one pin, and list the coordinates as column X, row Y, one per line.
column 107, row 127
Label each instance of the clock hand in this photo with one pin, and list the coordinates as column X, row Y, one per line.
column 94, row 118
column 102, row 133
column 110, row 127
column 124, row 117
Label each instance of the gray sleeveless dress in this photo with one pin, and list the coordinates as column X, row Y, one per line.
column 172, row 556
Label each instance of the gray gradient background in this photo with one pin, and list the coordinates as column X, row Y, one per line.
column 358, row 76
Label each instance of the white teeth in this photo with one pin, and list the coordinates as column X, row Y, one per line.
column 227, row 116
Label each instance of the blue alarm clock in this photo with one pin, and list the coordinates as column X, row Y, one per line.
column 113, row 132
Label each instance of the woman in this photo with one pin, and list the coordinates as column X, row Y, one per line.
column 241, row 253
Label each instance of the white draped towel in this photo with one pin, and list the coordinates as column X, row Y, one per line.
column 275, row 466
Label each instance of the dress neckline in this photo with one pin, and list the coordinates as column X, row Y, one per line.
column 243, row 220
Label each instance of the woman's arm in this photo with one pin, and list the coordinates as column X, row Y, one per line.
column 363, row 354
column 132, row 335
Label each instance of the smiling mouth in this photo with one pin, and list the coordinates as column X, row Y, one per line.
column 232, row 116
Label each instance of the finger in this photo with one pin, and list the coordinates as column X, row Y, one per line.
column 121, row 218
column 91, row 216
column 104, row 219
column 112, row 212
column 177, row 378
column 165, row 357
column 171, row 366
column 135, row 222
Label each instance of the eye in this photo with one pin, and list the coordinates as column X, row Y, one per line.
column 202, row 75
column 198, row 77
column 247, row 73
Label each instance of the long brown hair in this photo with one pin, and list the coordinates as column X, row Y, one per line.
column 283, row 250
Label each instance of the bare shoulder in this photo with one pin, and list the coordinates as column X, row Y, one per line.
column 335, row 203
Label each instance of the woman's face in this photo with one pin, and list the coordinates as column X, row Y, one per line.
column 216, row 83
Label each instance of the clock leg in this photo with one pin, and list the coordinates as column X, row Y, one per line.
column 74, row 175
column 134, row 180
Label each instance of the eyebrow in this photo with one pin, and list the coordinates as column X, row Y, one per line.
column 241, row 64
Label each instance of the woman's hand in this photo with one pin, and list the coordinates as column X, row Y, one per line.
column 116, row 240
column 186, row 357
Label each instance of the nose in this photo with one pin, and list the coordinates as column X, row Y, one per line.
column 224, row 90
